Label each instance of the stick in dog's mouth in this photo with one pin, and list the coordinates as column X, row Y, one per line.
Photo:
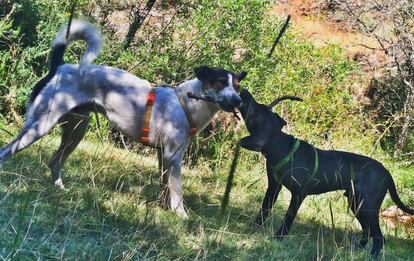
column 209, row 98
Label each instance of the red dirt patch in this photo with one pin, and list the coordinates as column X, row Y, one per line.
column 312, row 19
column 393, row 215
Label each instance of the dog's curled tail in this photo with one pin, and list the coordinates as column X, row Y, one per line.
column 79, row 30
column 394, row 196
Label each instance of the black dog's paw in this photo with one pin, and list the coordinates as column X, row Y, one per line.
column 281, row 233
column 253, row 143
column 377, row 245
column 259, row 221
column 375, row 253
column 279, row 236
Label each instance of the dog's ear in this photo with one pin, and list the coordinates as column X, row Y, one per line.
column 241, row 76
column 254, row 143
column 203, row 73
column 246, row 95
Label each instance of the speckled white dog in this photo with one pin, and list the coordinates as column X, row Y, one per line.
column 70, row 92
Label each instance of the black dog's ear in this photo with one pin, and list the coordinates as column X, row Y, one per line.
column 254, row 143
column 203, row 73
column 245, row 94
column 241, row 76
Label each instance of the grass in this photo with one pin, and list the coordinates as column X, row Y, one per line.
column 110, row 210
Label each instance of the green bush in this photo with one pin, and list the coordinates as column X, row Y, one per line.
column 233, row 34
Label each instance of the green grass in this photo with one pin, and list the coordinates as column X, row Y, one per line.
column 110, row 210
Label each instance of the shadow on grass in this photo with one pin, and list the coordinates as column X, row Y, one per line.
column 110, row 211
column 95, row 217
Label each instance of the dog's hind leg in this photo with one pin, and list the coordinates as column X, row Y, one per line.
column 27, row 136
column 366, row 211
column 368, row 218
column 376, row 234
column 354, row 203
column 294, row 206
column 273, row 189
column 74, row 126
column 40, row 120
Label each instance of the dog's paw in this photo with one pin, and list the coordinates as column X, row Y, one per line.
column 375, row 252
column 259, row 221
column 281, row 233
column 59, row 184
column 279, row 236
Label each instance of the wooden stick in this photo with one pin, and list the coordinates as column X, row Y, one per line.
column 229, row 185
column 202, row 98
column 279, row 36
column 72, row 13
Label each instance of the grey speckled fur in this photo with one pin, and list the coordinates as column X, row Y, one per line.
column 76, row 90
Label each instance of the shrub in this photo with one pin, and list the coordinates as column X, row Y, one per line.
column 233, row 34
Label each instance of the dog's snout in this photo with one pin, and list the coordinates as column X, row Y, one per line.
column 236, row 100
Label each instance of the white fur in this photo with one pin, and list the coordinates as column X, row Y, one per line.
column 81, row 30
column 122, row 97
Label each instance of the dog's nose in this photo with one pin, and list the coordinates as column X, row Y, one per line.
column 236, row 100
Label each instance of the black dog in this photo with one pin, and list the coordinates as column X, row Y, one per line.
column 306, row 170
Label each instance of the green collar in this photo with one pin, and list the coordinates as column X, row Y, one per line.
column 288, row 157
column 315, row 165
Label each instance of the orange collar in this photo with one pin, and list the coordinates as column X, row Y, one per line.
column 147, row 116
column 148, row 110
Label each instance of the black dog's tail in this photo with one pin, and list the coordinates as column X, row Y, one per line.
column 394, row 196
column 79, row 30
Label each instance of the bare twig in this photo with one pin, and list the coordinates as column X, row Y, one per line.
column 285, row 25
column 229, row 185
column 202, row 98
column 138, row 19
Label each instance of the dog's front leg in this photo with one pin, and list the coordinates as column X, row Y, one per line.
column 164, row 176
column 295, row 203
column 171, row 174
column 273, row 189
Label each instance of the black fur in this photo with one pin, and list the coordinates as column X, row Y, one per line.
column 313, row 171
column 56, row 59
